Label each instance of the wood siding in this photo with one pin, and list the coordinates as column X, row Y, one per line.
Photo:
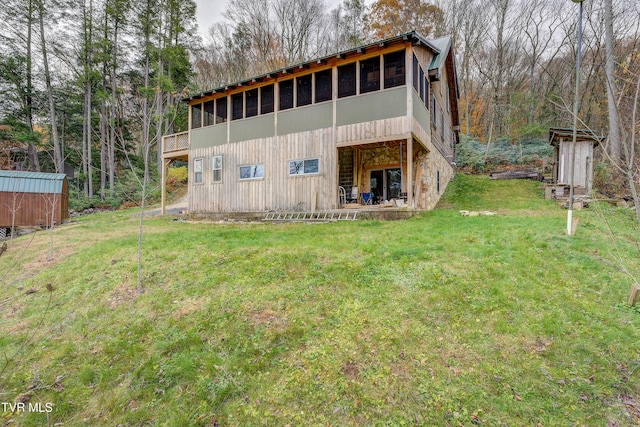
column 583, row 163
column 33, row 209
column 276, row 190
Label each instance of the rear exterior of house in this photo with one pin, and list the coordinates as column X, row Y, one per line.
column 33, row 199
column 380, row 119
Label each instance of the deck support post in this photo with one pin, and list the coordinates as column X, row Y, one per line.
column 163, row 187
column 410, row 172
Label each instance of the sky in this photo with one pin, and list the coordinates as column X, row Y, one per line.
column 210, row 11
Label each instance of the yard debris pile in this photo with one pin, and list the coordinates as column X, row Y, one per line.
column 517, row 174
column 476, row 213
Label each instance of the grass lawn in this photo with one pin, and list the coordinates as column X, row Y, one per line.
column 437, row 320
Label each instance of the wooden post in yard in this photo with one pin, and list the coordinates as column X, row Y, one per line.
column 163, row 187
column 633, row 295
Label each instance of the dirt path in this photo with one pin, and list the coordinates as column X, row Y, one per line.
column 177, row 207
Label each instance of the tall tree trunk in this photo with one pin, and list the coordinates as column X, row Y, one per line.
column 614, row 121
column 57, row 154
column 34, row 162
column 113, row 119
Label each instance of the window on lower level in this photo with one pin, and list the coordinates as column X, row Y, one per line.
column 347, row 80
column 304, row 90
column 286, row 94
column 324, row 85
column 394, row 69
column 304, row 167
column 196, row 116
column 251, row 103
column 217, row 168
column 370, row 75
column 252, row 171
column 197, row 171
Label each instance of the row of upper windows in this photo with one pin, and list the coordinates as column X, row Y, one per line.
column 304, row 90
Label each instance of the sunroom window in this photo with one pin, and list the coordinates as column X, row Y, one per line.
column 370, row 75
column 286, row 94
column 394, row 69
column 304, row 90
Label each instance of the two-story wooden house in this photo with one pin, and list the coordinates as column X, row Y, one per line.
column 381, row 119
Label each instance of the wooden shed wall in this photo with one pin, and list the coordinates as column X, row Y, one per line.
column 33, row 209
column 583, row 163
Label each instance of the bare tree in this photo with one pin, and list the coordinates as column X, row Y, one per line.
column 57, row 153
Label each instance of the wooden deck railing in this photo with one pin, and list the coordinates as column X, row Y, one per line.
column 175, row 142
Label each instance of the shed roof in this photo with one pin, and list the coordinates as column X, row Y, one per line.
column 556, row 134
column 31, row 182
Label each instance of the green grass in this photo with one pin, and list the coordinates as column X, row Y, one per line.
column 437, row 320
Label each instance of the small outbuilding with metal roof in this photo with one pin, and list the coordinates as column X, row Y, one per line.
column 31, row 199
column 561, row 139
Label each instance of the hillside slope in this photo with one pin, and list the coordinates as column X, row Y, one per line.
column 437, row 320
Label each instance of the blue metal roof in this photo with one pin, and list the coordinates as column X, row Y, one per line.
column 31, row 182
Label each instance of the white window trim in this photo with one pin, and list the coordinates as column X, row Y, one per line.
column 251, row 178
column 213, row 169
column 303, row 173
column 201, row 161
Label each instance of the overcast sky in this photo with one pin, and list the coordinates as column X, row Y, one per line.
column 210, row 11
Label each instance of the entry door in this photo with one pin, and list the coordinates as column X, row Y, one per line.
column 376, row 184
column 393, row 183
column 386, row 184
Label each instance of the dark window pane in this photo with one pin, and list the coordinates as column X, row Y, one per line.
column 304, row 90
column 221, row 110
column 196, row 116
column 286, row 94
column 236, row 106
column 208, row 113
column 311, row 166
column 434, row 112
column 266, row 101
column 370, row 75
column 416, row 80
column 426, row 92
column 252, row 103
column 394, row 70
column 421, row 84
column 347, row 80
column 324, row 86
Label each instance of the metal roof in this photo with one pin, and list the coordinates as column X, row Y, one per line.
column 442, row 44
column 555, row 134
column 413, row 36
column 31, row 182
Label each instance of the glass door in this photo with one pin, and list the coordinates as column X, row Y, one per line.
column 393, row 183
column 385, row 184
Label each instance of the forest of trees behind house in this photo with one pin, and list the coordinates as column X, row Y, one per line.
column 92, row 85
